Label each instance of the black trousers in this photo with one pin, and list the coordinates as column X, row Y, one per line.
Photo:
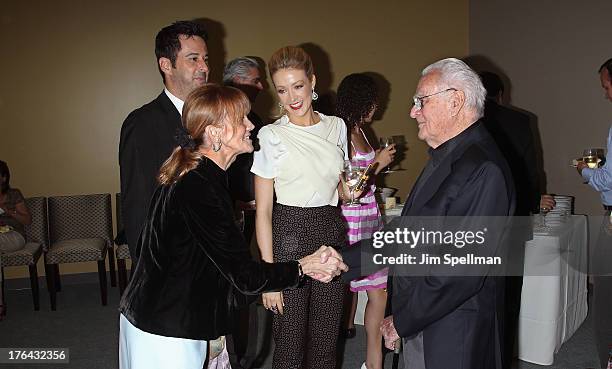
column 306, row 335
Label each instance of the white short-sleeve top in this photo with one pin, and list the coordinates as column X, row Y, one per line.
column 305, row 162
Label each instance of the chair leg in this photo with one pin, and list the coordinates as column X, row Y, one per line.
column 34, row 285
column 2, row 294
column 102, row 276
column 111, row 266
column 51, row 285
column 58, row 281
column 122, row 275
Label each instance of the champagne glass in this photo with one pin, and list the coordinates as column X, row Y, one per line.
column 384, row 143
column 589, row 156
column 351, row 176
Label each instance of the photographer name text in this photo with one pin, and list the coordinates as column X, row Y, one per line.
column 427, row 259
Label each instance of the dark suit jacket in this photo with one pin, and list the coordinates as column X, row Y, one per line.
column 512, row 132
column 460, row 317
column 147, row 140
column 195, row 269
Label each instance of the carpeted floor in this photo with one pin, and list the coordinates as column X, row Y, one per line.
column 90, row 330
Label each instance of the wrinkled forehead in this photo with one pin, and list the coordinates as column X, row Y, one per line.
column 428, row 84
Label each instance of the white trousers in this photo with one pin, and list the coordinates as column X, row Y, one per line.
column 142, row 350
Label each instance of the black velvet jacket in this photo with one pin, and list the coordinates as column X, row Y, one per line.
column 195, row 268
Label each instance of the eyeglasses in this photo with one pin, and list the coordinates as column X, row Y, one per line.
column 419, row 100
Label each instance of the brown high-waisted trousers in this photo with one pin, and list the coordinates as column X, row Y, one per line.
column 306, row 335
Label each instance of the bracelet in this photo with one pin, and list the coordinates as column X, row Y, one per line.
column 300, row 271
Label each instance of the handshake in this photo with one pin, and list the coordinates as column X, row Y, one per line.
column 323, row 265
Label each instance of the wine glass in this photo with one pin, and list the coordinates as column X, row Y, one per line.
column 351, row 176
column 384, row 143
column 590, row 157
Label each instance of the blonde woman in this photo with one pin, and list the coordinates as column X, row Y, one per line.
column 296, row 189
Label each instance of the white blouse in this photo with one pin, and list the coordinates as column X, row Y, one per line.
column 305, row 162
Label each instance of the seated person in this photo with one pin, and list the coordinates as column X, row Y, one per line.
column 14, row 216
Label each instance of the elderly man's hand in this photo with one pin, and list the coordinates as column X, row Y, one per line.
column 389, row 333
column 323, row 265
column 580, row 166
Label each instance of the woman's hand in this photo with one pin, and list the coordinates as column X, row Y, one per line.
column 273, row 301
column 385, row 156
column 20, row 213
column 344, row 193
column 323, row 265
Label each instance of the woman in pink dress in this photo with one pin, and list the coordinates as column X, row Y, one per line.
column 357, row 102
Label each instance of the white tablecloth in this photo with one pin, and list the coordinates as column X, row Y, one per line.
column 554, row 295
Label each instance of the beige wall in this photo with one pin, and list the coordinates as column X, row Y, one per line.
column 551, row 51
column 72, row 72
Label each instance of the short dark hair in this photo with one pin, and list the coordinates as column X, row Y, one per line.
column 6, row 173
column 608, row 65
column 492, row 83
column 167, row 43
column 357, row 95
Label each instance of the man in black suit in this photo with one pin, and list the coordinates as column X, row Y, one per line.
column 147, row 134
column 511, row 130
column 244, row 345
column 244, row 73
column 449, row 322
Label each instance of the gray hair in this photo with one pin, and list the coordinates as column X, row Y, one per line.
column 454, row 73
column 238, row 67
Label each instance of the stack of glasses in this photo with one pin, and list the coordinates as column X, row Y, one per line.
column 558, row 215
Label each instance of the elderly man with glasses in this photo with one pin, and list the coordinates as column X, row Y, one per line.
column 453, row 322
column 449, row 322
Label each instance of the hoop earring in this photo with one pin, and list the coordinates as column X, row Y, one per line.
column 314, row 95
column 218, row 147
